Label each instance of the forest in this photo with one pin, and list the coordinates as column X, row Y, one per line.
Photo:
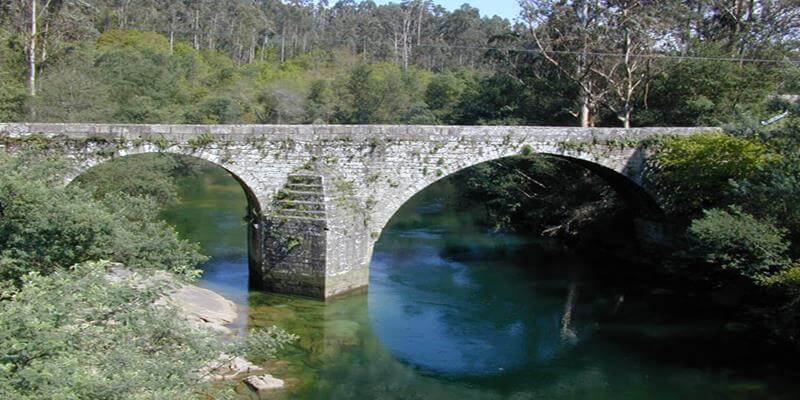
column 610, row 63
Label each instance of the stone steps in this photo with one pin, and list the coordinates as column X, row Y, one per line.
column 304, row 179
column 297, row 195
column 303, row 197
column 303, row 187
column 302, row 213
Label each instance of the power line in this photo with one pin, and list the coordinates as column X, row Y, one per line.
column 538, row 51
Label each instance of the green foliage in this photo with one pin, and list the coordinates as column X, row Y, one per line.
column 12, row 100
column 318, row 102
column 735, row 240
column 706, row 93
column 264, row 344
column 215, row 110
column 147, row 175
column 74, row 334
column 692, row 172
column 133, row 39
column 46, row 227
column 201, row 141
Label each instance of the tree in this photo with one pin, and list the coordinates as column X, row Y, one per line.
column 605, row 47
column 694, row 172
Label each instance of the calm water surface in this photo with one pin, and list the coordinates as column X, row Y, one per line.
column 456, row 312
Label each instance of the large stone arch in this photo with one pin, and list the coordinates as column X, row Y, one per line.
column 621, row 169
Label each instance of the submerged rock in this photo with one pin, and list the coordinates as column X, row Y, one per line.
column 263, row 383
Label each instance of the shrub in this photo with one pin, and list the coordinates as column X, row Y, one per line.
column 690, row 173
column 76, row 335
column 45, row 227
column 738, row 241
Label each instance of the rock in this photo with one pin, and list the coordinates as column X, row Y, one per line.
column 263, row 383
column 204, row 305
column 227, row 367
column 203, row 308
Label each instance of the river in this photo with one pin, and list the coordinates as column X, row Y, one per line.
column 456, row 311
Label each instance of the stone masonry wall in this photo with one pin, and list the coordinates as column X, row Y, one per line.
column 368, row 171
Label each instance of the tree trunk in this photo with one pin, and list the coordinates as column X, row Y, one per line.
column 196, row 29
column 283, row 44
column 32, row 52
column 586, row 112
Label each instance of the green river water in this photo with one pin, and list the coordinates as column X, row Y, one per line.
column 454, row 311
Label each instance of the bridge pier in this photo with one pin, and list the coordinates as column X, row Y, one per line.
column 314, row 242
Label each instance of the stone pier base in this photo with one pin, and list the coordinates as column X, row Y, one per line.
column 315, row 240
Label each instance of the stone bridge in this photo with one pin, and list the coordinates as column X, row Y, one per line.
column 320, row 195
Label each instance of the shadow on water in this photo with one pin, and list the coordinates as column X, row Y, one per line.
column 456, row 312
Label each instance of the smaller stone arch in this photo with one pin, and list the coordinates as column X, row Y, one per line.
column 252, row 213
column 86, row 164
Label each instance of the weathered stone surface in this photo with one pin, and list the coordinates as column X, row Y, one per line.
column 204, row 308
column 263, row 383
column 204, row 305
column 227, row 367
column 320, row 195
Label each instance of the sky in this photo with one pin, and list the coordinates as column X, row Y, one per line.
column 504, row 8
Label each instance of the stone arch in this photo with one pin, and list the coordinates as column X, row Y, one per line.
column 623, row 179
column 252, row 214
column 253, row 202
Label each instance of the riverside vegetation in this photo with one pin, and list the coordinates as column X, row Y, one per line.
column 66, row 330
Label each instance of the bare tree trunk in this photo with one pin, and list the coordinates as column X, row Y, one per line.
column 32, row 52
column 585, row 114
column 419, row 21
column 196, row 29
column 252, row 55
column 283, row 44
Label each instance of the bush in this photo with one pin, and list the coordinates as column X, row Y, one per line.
column 690, row 173
column 76, row 335
column 738, row 241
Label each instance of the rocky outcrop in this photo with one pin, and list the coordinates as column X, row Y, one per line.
column 227, row 368
column 263, row 383
column 203, row 308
